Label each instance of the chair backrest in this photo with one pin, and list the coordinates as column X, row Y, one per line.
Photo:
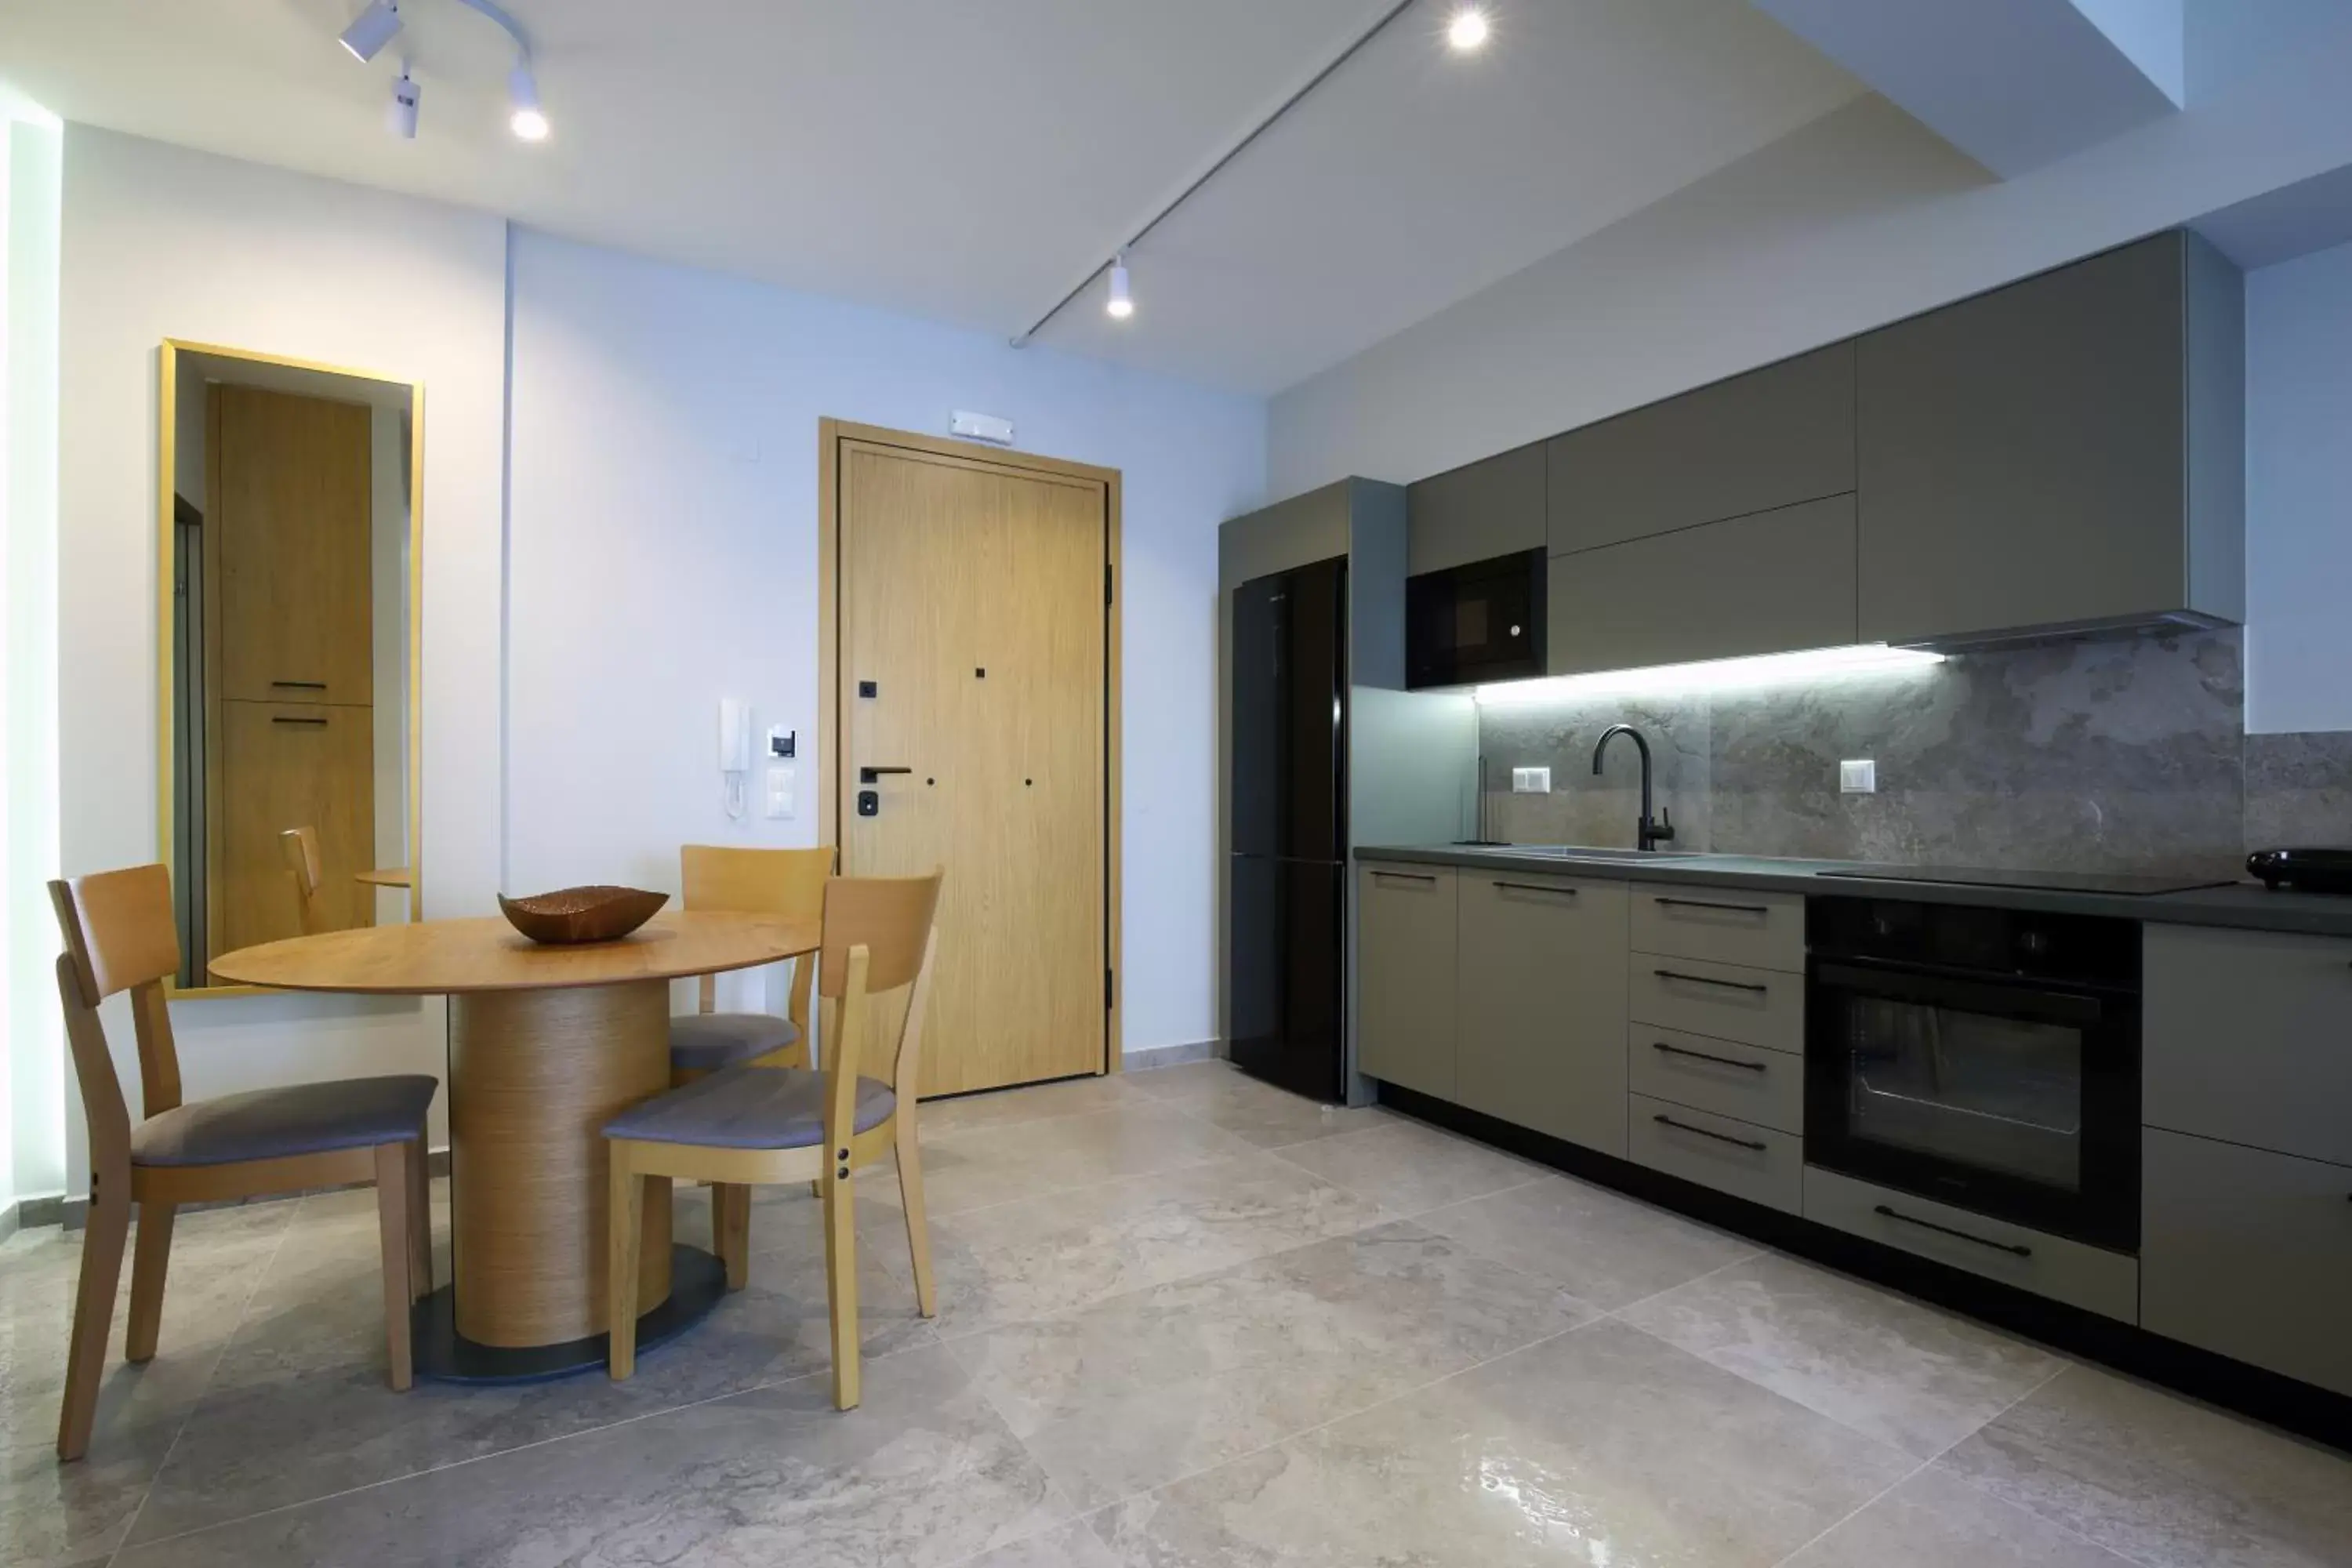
column 301, row 846
column 120, row 936
column 789, row 882
column 878, row 938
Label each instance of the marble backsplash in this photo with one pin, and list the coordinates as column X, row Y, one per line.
column 2104, row 754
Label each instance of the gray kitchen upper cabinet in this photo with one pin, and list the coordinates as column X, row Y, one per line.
column 2066, row 453
column 1540, row 1000
column 1772, row 583
column 1768, row 439
column 1475, row 512
column 1405, row 976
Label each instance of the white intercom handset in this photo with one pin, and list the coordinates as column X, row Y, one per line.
column 734, row 751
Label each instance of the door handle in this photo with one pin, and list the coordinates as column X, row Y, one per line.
column 301, row 685
column 1718, row 1137
column 1536, row 888
column 1702, row 1056
column 282, row 719
column 869, row 776
column 1710, row 980
column 2015, row 1248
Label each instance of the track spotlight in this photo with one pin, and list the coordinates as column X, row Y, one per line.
column 400, row 119
column 1122, row 304
column 523, row 88
column 367, row 36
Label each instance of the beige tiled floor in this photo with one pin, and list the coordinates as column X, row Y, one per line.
column 1186, row 1320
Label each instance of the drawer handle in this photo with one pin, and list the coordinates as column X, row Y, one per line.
column 302, row 685
column 1702, row 1056
column 1401, row 876
column 1532, row 888
column 1718, row 1137
column 282, row 719
column 1704, row 904
column 1706, row 980
column 2011, row 1248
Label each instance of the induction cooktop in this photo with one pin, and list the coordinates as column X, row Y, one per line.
column 2132, row 887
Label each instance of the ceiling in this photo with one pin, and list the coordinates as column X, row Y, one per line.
column 972, row 162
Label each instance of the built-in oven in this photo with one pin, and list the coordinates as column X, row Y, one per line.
column 1483, row 621
column 1985, row 1057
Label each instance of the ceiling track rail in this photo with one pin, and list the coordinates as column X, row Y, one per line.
column 1379, row 25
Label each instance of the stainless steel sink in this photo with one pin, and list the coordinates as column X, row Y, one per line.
column 1579, row 852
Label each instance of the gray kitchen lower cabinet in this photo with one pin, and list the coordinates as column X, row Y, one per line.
column 2065, row 1270
column 1405, row 976
column 1540, row 1004
column 1748, row 1082
column 1778, row 582
column 2244, row 1038
column 1761, row 1165
column 2248, row 1254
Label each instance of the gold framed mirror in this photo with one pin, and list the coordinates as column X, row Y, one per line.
column 289, row 634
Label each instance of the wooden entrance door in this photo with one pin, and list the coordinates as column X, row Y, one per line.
column 972, row 691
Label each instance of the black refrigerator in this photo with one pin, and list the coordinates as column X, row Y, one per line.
column 1286, row 919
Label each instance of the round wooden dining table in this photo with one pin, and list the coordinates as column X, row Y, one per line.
column 545, row 1044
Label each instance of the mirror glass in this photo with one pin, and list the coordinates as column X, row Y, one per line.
column 289, row 541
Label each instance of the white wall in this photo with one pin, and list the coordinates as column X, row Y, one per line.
column 1856, row 220
column 32, row 1054
column 161, row 242
column 2299, row 494
column 664, row 555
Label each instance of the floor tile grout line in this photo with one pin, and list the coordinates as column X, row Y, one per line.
column 519, row 1448
column 203, row 1391
column 1913, row 1474
column 1975, row 1485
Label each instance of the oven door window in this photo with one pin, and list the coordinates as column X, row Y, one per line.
column 1988, row 1093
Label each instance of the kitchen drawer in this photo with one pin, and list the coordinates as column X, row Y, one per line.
column 1762, row 930
column 2244, row 1038
column 1748, row 1082
column 1749, row 1162
column 2248, row 1254
column 1723, row 1001
column 2083, row 1276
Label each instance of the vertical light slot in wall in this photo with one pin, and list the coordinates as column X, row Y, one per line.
column 32, row 1053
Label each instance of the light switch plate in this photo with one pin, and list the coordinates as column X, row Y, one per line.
column 781, row 786
column 1530, row 781
column 1858, row 776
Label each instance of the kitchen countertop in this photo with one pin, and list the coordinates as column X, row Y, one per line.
column 2245, row 905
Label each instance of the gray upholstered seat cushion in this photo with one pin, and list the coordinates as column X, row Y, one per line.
column 747, row 1108
column 704, row 1042
column 271, row 1123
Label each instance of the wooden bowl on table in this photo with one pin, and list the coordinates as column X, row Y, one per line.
column 582, row 914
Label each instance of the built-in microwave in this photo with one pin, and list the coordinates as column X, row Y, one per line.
column 1478, row 622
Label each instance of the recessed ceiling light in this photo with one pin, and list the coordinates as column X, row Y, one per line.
column 374, row 29
column 1468, row 32
column 1121, row 303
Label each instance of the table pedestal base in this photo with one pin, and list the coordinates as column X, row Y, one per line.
column 698, row 1284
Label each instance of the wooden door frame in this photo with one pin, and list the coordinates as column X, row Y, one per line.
column 831, row 433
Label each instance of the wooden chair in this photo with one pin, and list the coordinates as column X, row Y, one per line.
column 746, row 1125
column 301, row 847
column 757, row 881
column 120, row 936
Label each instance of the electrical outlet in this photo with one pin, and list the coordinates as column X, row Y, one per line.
column 1530, row 781
column 1858, row 776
